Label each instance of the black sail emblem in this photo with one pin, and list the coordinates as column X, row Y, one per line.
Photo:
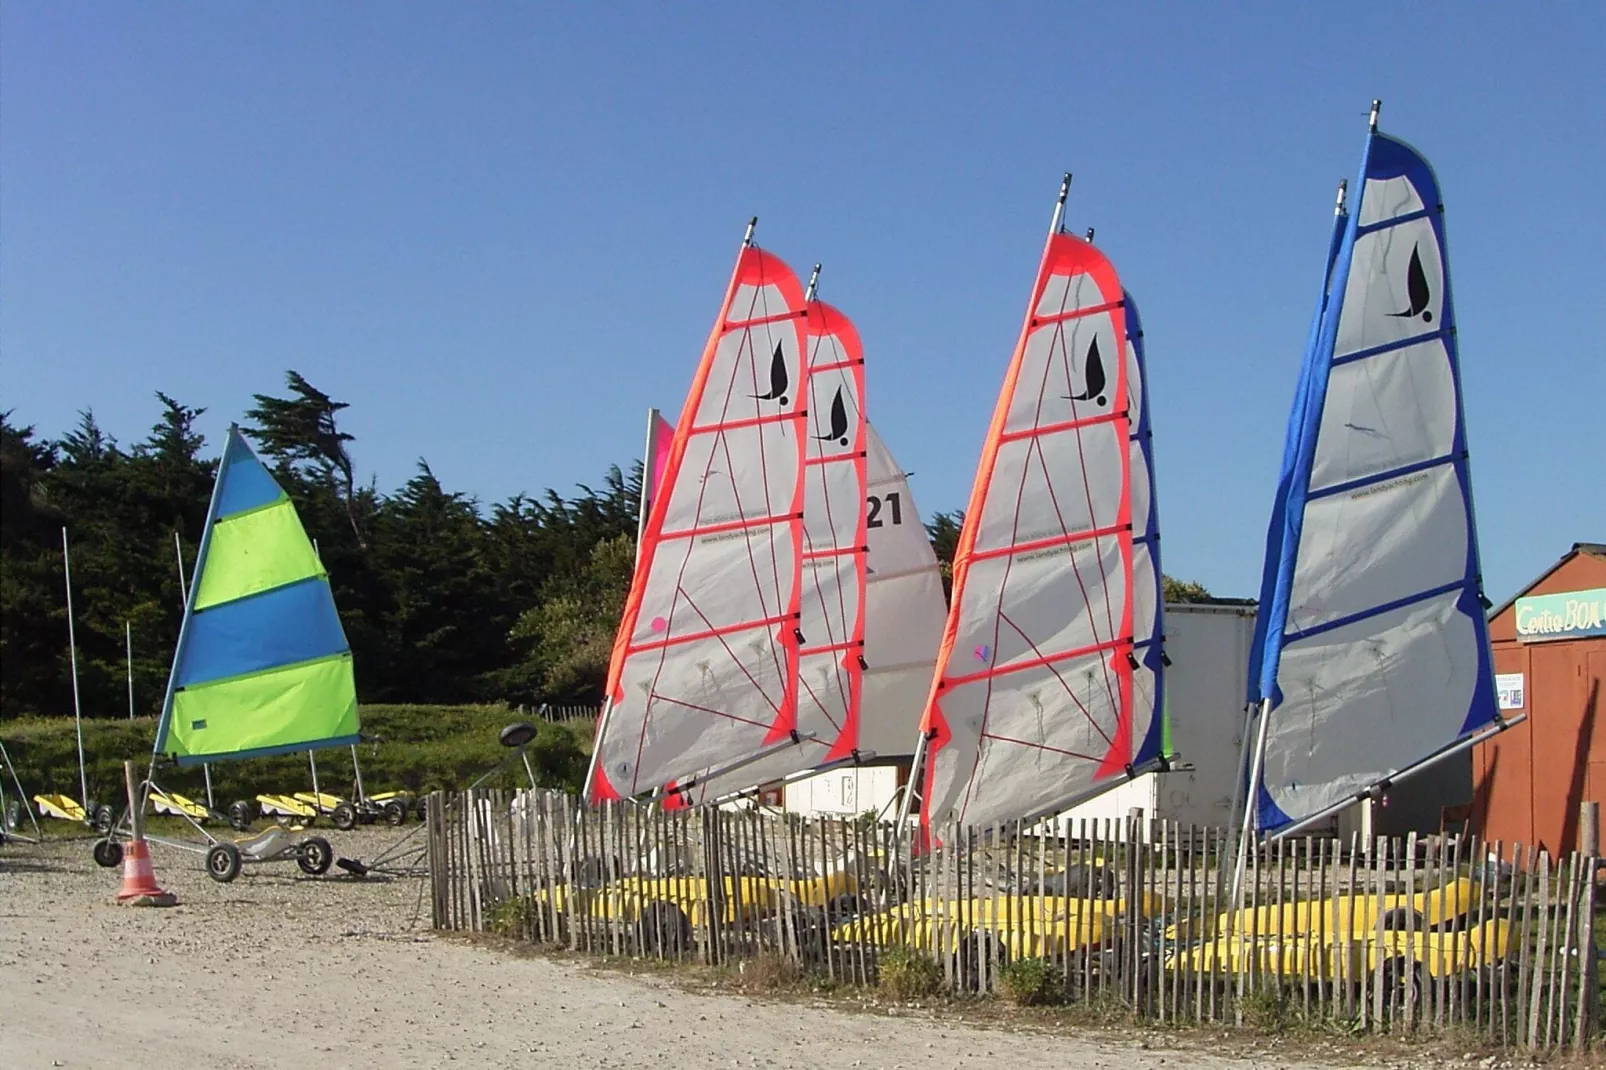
column 778, row 379
column 839, row 421
column 1416, row 289
column 1093, row 372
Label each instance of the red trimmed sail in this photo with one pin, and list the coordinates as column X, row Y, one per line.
column 704, row 668
column 1032, row 703
column 835, row 551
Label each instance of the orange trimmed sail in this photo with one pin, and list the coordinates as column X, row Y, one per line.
column 1032, row 703
column 704, row 667
column 835, row 551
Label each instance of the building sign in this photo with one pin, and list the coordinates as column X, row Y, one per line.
column 1509, row 686
column 1569, row 615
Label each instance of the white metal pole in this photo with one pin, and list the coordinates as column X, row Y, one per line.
column 1247, row 831
column 356, row 770
column 72, row 654
column 206, row 770
column 128, row 646
column 183, row 591
column 313, row 761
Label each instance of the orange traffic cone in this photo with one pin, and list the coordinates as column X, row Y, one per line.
column 139, row 880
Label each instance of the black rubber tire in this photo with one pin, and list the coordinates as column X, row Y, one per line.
column 1402, row 985
column 315, row 856
column 395, row 813
column 421, row 807
column 102, row 819
column 344, row 817
column 223, row 862
column 241, row 814
column 665, row 931
column 108, row 854
column 13, row 815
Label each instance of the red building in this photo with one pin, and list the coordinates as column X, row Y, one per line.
column 1550, row 663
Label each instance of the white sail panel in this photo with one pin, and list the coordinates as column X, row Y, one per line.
column 704, row 669
column 831, row 624
column 1376, row 650
column 905, row 609
column 1033, row 701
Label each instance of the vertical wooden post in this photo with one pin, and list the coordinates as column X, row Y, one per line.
column 1589, row 829
column 135, row 810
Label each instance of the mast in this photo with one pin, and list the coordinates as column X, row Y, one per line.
column 72, row 654
column 128, row 649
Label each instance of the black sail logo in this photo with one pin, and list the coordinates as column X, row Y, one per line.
column 1093, row 374
column 778, row 379
column 1416, row 289
column 839, row 421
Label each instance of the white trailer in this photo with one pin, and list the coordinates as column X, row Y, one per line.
column 1208, row 645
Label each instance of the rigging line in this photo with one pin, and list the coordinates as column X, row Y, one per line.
column 1049, row 664
column 1041, row 747
column 1076, row 570
column 670, row 701
column 841, row 587
column 752, row 560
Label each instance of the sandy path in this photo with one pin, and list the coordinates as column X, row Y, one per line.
column 277, row 971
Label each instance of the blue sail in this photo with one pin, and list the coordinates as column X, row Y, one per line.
column 1149, row 733
column 1371, row 646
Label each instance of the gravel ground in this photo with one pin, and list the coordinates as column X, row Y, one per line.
column 282, row 970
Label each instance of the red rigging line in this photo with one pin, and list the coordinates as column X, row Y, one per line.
column 705, row 660
column 1032, row 697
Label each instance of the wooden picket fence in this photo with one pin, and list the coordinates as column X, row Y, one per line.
column 1441, row 934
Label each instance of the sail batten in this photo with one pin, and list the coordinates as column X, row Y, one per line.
column 1041, row 695
column 1372, row 654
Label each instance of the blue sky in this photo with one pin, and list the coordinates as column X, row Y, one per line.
column 501, row 231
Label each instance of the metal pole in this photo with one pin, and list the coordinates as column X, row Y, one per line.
column 128, row 645
column 183, row 591
column 206, row 771
column 1247, row 831
column 1371, row 123
column 747, row 238
column 313, row 761
column 1059, row 205
column 356, row 770
column 814, row 285
column 1343, row 196
column 731, row 767
column 72, row 654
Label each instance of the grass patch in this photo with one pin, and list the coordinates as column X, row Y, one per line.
column 423, row 748
column 1031, row 983
column 907, row 974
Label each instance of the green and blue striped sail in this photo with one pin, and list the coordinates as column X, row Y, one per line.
column 262, row 665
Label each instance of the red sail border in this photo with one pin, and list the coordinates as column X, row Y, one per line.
column 755, row 268
column 825, row 321
column 1070, row 256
